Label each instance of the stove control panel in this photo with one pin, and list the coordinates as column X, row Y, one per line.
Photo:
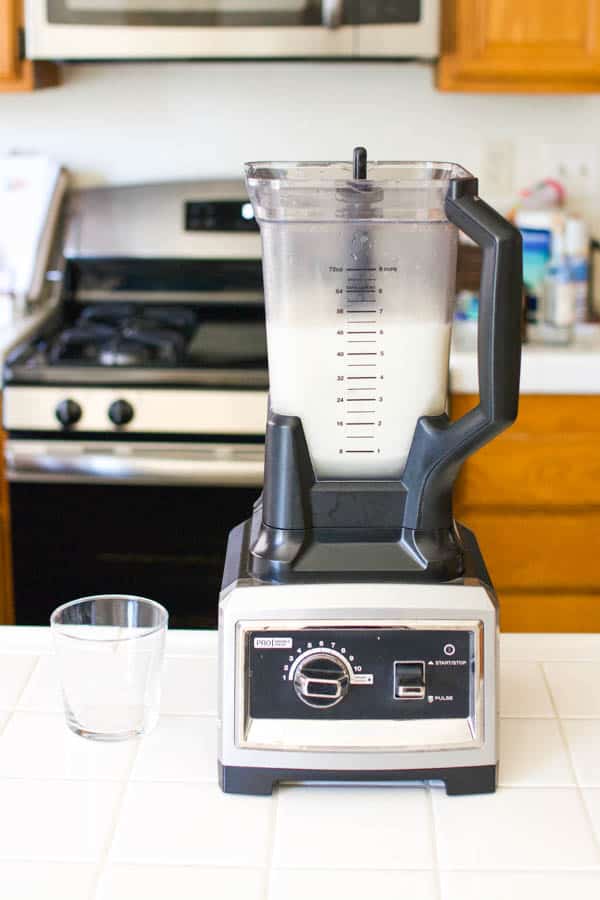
column 368, row 673
column 144, row 410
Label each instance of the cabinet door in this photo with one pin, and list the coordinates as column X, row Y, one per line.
column 7, row 613
column 520, row 45
column 532, row 497
column 9, row 57
column 6, row 589
column 18, row 74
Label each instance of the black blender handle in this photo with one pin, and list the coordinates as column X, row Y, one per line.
column 439, row 446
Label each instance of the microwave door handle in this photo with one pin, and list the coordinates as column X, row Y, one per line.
column 332, row 13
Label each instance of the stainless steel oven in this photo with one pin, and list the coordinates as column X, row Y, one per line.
column 135, row 416
column 231, row 29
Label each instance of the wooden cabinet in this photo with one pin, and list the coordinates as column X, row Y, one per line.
column 520, row 45
column 532, row 497
column 17, row 74
column 6, row 592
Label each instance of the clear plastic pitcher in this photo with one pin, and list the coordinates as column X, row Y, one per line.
column 359, row 276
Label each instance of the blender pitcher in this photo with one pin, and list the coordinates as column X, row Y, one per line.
column 359, row 273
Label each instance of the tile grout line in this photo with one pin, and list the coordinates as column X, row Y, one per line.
column 104, row 854
column 79, row 779
column 186, row 864
column 434, row 843
column 536, row 718
column 115, row 779
column 45, row 711
column 271, row 845
column 563, row 737
column 15, row 706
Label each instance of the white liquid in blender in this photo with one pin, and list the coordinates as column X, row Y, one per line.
column 359, row 409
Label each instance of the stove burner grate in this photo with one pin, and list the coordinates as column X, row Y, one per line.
column 121, row 336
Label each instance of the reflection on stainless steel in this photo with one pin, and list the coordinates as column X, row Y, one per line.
column 332, row 13
column 153, row 463
column 366, row 734
column 230, row 29
column 148, row 222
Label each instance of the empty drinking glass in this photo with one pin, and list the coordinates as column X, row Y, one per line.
column 110, row 651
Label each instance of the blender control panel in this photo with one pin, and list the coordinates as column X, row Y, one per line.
column 368, row 673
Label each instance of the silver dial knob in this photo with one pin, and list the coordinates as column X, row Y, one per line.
column 321, row 679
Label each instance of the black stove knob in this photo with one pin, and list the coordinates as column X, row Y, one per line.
column 120, row 412
column 322, row 678
column 68, row 412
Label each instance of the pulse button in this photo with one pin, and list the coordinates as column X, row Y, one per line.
column 409, row 680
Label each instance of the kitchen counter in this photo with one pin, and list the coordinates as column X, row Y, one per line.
column 146, row 819
column 545, row 369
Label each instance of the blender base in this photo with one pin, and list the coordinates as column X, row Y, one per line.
column 261, row 781
column 411, row 669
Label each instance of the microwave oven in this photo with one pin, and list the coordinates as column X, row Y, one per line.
column 89, row 30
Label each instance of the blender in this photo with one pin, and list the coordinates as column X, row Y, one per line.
column 357, row 621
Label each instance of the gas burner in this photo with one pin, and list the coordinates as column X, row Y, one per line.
column 120, row 351
column 164, row 345
column 125, row 335
column 139, row 342
column 180, row 319
column 133, row 347
column 81, row 343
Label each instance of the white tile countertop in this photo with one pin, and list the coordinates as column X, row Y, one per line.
column 146, row 819
column 545, row 369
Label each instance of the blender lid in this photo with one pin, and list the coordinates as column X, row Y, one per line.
column 328, row 191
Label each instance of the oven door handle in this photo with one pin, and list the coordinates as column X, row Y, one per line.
column 43, row 463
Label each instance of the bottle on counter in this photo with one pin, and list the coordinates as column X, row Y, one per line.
column 559, row 295
column 577, row 252
column 538, row 229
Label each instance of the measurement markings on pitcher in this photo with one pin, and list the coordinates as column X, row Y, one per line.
column 360, row 346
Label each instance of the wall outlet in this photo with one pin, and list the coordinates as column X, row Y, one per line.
column 576, row 167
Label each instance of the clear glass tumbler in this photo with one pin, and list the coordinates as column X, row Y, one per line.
column 110, row 650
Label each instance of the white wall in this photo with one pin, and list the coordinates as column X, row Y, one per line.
column 131, row 122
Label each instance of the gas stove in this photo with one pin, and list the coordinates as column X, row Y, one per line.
column 137, row 342
column 136, row 329
column 143, row 398
column 141, row 367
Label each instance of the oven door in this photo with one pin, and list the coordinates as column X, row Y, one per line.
column 188, row 29
column 149, row 519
